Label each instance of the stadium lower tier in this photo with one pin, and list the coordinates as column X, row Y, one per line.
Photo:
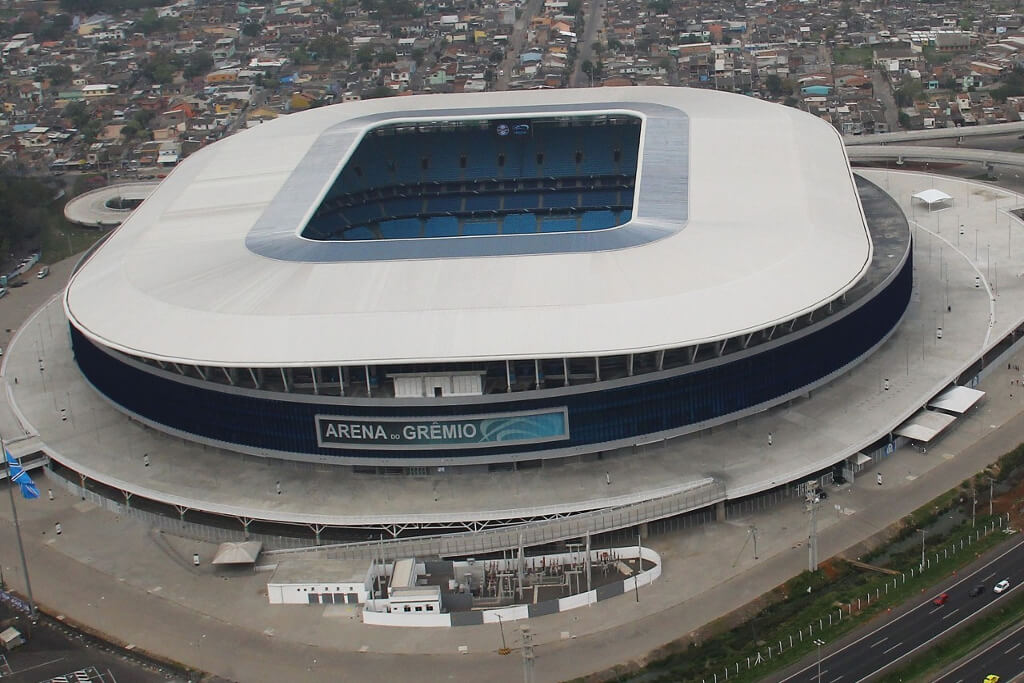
column 489, row 429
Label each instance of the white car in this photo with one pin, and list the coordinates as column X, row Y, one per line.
column 1001, row 586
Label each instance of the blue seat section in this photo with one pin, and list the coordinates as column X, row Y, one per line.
column 551, row 224
column 441, row 226
column 364, row 213
column 400, row 228
column 519, row 223
column 597, row 220
column 361, row 233
column 444, row 204
column 402, row 207
column 483, row 202
column 480, row 228
column 442, row 172
column 522, row 200
column 561, row 200
column 599, row 198
column 625, row 216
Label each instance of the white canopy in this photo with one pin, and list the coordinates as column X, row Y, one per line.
column 933, row 196
column 925, row 426
column 956, row 399
column 244, row 552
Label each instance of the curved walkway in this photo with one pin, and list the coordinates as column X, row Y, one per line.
column 93, row 209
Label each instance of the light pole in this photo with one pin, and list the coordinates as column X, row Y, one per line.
column 991, row 482
column 819, row 642
column 504, row 648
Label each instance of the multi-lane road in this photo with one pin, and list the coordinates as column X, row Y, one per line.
column 926, row 622
column 1004, row 658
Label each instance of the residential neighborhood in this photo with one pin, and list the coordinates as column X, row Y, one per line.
column 127, row 87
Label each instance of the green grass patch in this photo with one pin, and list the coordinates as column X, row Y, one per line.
column 799, row 611
column 62, row 240
column 923, row 666
column 852, row 55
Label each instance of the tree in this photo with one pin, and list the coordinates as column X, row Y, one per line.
column 418, row 56
column 774, row 85
column 909, row 91
column 252, row 29
column 77, row 113
column 57, row 73
column 378, row 92
column 199, row 64
column 365, row 56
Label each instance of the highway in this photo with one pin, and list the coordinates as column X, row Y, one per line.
column 920, row 626
column 1005, row 658
column 954, row 154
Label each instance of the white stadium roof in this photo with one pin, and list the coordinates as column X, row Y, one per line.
column 773, row 229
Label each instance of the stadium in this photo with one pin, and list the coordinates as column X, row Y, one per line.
column 494, row 279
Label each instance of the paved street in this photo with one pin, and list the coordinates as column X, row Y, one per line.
column 919, row 627
column 1004, row 658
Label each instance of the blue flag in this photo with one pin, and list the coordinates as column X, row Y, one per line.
column 20, row 477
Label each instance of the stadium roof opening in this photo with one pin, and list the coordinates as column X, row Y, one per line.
column 483, row 176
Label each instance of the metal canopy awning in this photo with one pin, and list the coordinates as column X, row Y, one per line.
column 932, row 196
column 925, row 425
column 956, row 400
column 244, row 552
column 860, row 459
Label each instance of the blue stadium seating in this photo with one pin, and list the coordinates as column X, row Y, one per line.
column 441, row 226
column 472, row 227
column 551, row 224
column 403, row 207
column 561, row 200
column 400, row 228
column 483, row 202
column 599, row 198
column 444, row 204
column 625, row 216
column 361, row 233
column 522, row 200
column 597, row 220
column 519, row 223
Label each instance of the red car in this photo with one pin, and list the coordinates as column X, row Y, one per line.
column 941, row 599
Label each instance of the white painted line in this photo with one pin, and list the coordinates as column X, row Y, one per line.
column 951, row 613
column 883, row 640
column 835, row 679
column 885, row 652
column 1014, row 647
column 875, row 632
column 986, row 578
column 991, row 647
column 935, row 610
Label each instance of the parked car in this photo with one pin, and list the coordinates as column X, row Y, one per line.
column 977, row 590
column 941, row 599
column 3, row 292
column 43, row 272
column 991, row 678
column 1001, row 586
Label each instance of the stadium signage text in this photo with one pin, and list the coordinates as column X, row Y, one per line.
column 445, row 432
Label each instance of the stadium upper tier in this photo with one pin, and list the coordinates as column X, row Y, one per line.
column 728, row 216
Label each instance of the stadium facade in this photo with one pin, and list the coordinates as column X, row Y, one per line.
column 494, row 278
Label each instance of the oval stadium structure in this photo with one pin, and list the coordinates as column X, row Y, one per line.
column 493, row 278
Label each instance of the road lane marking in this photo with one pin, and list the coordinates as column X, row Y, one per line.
column 988, row 577
column 1015, row 646
column 935, row 610
column 892, row 648
column 881, row 641
column 951, row 613
column 835, row 679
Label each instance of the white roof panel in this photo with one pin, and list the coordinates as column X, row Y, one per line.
column 957, row 399
column 773, row 229
column 925, row 425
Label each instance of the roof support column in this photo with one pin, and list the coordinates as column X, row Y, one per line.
column 508, row 377
column 629, row 365
column 369, row 389
column 565, row 371
column 284, row 379
column 597, row 369
column 341, row 381
column 227, row 374
column 200, row 371
column 536, row 373
column 316, row 389
column 661, row 359
column 181, row 511
column 693, row 354
column 255, row 381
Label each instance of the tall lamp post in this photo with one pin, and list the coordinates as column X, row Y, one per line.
column 819, row 642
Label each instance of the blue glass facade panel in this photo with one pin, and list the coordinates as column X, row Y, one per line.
column 597, row 416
